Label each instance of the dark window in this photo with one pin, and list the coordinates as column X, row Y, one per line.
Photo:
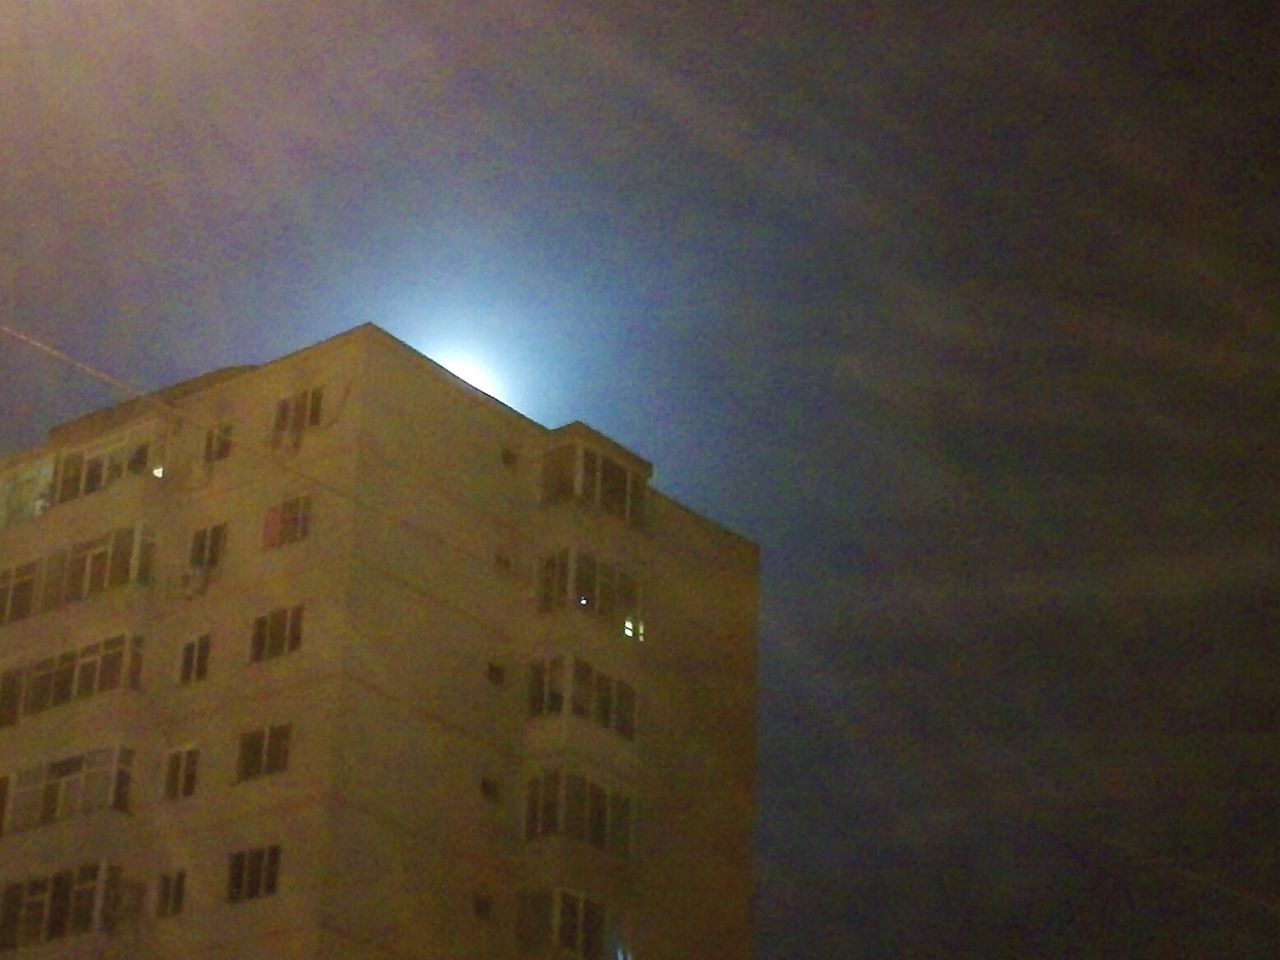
column 286, row 522
column 253, row 873
column 11, row 914
column 180, row 773
column 23, row 592
column 557, row 474
column 83, row 897
column 619, row 825
column 575, row 806
column 55, row 576
column 314, row 406
column 122, row 558
column 549, row 815
column 137, row 462
column 10, row 697
column 263, row 752
column 570, row 917
column 294, row 414
column 592, row 929
column 170, row 893
column 495, row 674
column 597, row 816
column 613, row 488
column 583, row 688
column 276, row 633
column 533, row 921
column 217, row 443
column 69, row 484
column 195, row 660
column 584, row 580
column 207, row 545
column 546, row 687
column 60, row 904
column 625, row 710
column 604, row 700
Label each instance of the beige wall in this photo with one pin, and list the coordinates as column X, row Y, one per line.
column 418, row 575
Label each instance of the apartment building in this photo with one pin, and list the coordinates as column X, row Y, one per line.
column 338, row 656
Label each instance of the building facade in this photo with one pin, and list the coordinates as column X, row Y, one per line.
column 340, row 657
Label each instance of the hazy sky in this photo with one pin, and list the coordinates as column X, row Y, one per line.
column 969, row 318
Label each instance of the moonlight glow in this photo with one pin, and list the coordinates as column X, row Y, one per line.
column 474, row 372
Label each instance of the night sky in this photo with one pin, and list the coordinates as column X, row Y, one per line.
column 971, row 318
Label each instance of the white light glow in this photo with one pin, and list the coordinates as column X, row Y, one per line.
column 474, row 372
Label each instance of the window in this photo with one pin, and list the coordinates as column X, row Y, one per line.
column 253, row 873
column 583, row 688
column 263, row 752
column 170, row 893
column 558, row 467
column 71, row 574
column 207, row 545
column 574, row 806
column 18, row 592
column 27, row 492
column 295, row 414
column 572, row 472
column 195, row 660
column 598, row 586
column 554, row 581
column 593, row 695
column 489, row 789
column 624, row 715
column 482, row 906
column 276, row 633
column 542, row 805
column 546, row 687
column 73, row 675
column 217, row 443
column 49, row 907
column 579, row 925
column 180, row 773
column 82, row 473
column 71, row 787
column 287, row 522
column 496, row 674
column 619, row 838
